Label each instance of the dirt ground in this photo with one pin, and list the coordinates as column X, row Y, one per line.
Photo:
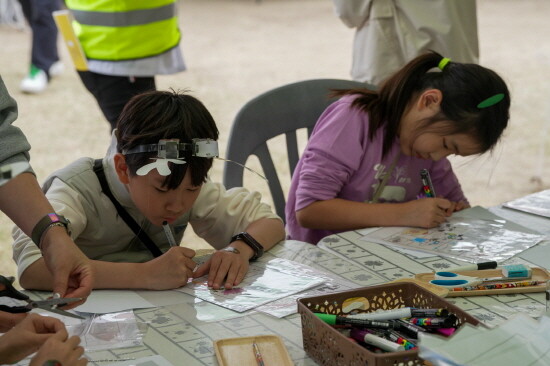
column 236, row 49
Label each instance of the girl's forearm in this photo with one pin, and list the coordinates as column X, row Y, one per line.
column 341, row 215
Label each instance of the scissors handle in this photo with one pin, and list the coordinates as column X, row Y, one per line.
column 454, row 280
column 10, row 291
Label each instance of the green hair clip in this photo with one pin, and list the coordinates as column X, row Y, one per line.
column 491, row 101
column 444, row 61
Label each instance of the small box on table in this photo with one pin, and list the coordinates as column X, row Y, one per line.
column 328, row 347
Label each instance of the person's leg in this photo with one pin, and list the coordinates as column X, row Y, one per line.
column 44, row 55
column 113, row 92
column 44, row 34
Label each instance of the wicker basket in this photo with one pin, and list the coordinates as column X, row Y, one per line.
column 330, row 348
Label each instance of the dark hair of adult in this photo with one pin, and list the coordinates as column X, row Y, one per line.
column 155, row 115
column 463, row 87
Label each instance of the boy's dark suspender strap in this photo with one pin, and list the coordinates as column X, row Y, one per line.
column 129, row 220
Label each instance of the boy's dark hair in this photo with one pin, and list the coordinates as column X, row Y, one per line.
column 463, row 87
column 155, row 115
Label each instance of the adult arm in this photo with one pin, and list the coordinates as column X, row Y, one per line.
column 25, row 204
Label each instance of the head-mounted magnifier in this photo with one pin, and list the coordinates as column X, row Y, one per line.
column 173, row 151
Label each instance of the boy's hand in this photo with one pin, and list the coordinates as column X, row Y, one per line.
column 170, row 270
column 224, row 268
column 427, row 212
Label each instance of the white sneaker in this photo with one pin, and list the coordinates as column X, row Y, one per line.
column 35, row 82
column 57, row 69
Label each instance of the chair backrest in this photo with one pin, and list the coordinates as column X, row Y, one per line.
column 282, row 110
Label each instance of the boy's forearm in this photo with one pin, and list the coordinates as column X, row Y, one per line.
column 119, row 275
column 267, row 232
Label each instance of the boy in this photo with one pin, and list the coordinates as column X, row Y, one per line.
column 156, row 173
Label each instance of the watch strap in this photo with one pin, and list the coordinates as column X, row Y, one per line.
column 251, row 242
column 45, row 223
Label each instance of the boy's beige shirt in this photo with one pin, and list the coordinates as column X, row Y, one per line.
column 101, row 234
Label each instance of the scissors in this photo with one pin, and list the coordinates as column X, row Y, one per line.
column 7, row 290
column 454, row 280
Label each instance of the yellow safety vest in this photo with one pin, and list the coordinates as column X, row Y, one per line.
column 115, row 30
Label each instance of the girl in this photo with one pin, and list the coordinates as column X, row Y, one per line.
column 124, row 209
column 362, row 164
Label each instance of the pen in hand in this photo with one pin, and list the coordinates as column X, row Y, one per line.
column 169, row 234
column 427, row 183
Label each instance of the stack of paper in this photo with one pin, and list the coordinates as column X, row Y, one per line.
column 519, row 341
column 536, row 203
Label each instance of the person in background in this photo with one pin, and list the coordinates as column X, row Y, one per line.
column 45, row 63
column 127, row 43
column 390, row 33
column 152, row 184
column 22, row 200
column 361, row 166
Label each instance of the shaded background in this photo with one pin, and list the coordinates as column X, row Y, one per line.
column 236, row 49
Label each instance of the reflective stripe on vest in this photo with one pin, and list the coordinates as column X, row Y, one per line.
column 126, row 35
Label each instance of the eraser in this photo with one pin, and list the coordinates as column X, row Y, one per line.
column 516, row 270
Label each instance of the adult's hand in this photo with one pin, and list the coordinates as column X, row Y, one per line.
column 72, row 271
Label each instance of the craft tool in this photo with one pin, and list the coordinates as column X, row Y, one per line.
column 7, row 290
column 168, row 233
column 365, row 323
column 399, row 339
column 427, row 184
column 409, row 328
column 406, row 312
column 494, row 286
column 374, row 340
column 447, row 322
column 516, row 271
column 453, row 280
column 474, row 267
column 257, row 354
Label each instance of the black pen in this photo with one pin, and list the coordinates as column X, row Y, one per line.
column 427, row 184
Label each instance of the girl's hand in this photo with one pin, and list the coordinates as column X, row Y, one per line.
column 170, row 270
column 459, row 206
column 28, row 335
column 427, row 212
column 66, row 351
column 225, row 266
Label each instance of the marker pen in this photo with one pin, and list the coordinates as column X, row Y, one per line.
column 409, row 328
column 448, row 322
column 169, row 234
column 406, row 312
column 474, row 267
column 399, row 339
column 364, row 323
column 374, row 340
column 427, row 184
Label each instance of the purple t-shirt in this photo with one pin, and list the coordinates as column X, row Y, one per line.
column 341, row 162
